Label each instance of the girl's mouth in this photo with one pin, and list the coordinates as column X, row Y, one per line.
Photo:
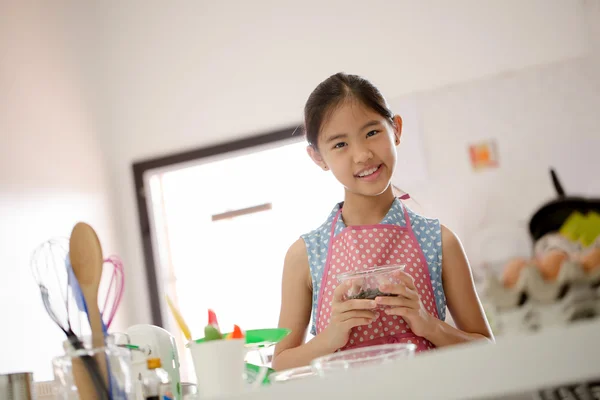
column 369, row 174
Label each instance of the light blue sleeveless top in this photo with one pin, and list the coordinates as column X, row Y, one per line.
column 427, row 232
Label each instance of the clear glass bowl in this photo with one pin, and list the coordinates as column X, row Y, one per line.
column 366, row 283
column 363, row 357
column 292, row 374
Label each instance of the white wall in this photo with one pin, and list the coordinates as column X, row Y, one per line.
column 592, row 19
column 52, row 174
column 540, row 118
column 167, row 79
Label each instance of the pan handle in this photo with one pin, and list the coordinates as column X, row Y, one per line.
column 559, row 189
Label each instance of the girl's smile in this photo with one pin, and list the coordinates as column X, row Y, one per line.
column 370, row 173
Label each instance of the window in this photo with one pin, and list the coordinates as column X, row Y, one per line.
column 221, row 229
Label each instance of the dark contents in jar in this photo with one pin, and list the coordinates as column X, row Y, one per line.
column 370, row 294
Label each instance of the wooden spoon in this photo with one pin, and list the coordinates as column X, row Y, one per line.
column 85, row 254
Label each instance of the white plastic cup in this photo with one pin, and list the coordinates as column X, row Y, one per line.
column 219, row 366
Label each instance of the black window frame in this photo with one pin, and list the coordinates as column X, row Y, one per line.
column 141, row 167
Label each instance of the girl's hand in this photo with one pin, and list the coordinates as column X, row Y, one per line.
column 407, row 305
column 345, row 315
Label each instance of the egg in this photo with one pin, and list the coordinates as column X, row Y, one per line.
column 590, row 260
column 512, row 271
column 549, row 264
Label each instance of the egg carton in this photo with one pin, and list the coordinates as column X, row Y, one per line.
column 514, row 321
column 556, row 241
column 531, row 286
column 580, row 302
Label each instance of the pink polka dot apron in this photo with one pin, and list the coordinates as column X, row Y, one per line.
column 363, row 247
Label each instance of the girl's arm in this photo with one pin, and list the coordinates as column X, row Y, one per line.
column 296, row 306
column 461, row 298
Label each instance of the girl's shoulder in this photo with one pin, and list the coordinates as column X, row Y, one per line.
column 322, row 232
column 428, row 232
column 422, row 222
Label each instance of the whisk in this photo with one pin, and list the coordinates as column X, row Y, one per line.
column 112, row 293
column 113, row 290
column 50, row 271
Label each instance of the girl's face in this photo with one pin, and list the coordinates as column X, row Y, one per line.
column 359, row 147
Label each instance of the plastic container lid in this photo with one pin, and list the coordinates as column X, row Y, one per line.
column 362, row 357
column 292, row 374
column 371, row 272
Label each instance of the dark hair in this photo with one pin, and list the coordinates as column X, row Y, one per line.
column 331, row 93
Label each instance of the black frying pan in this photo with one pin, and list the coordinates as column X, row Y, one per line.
column 551, row 216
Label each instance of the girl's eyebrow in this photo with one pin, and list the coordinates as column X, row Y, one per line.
column 369, row 124
column 337, row 137
column 345, row 135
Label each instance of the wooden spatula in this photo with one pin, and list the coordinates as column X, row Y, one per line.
column 85, row 254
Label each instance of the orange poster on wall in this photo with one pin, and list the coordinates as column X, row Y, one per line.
column 483, row 155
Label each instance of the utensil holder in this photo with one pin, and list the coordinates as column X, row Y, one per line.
column 118, row 361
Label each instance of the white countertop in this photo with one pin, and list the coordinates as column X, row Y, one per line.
column 513, row 365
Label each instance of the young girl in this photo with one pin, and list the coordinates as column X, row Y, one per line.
column 352, row 133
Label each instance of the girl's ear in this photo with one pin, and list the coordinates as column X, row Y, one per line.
column 397, row 128
column 316, row 157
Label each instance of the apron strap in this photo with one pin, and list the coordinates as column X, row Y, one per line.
column 405, row 211
column 333, row 224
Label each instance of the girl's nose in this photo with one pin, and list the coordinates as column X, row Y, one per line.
column 362, row 155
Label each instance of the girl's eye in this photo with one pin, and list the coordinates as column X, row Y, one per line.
column 339, row 145
column 372, row 133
